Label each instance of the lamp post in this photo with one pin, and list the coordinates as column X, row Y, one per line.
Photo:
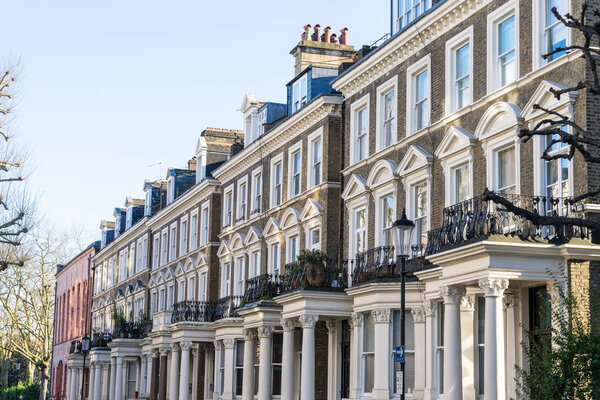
column 17, row 368
column 403, row 229
column 85, row 349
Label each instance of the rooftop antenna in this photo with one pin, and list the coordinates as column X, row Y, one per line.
column 159, row 168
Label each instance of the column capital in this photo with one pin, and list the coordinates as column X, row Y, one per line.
column 288, row 325
column 164, row 352
column 356, row 320
column 185, row 346
column 511, row 300
column 207, row 348
column 265, row 332
column 429, row 306
column 381, row 315
column 195, row 351
column 105, row 366
column 218, row 344
column 331, row 326
column 175, row 347
column 467, row 303
column 250, row 334
column 119, row 361
column 493, row 287
column 418, row 315
column 308, row 320
column 229, row 343
column 155, row 353
column 452, row 294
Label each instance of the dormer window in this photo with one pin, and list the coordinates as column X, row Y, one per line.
column 117, row 225
column 148, row 203
column 299, row 93
column 409, row 10
column 129, row 219
column 170, row 190
column 262, row 119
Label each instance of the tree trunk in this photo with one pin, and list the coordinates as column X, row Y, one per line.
column 43, row 384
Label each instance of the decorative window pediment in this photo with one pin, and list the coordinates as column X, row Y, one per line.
column 290, row 218
column 547, row 100
column 415, row 159
column 180, row 269
column 237, row 242
column 311, row 209
column 455, row 140
column 200, row 260
column 384, row 171
column 499, row 118
column 223, row 248
column 355, row 187
column 253, row 236
column 272, row 227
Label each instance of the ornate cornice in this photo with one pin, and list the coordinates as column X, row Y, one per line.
column 382, row 315
column 429, row 28
column 493, row 287
column 452, row 294
column 418, row 315
column 356, row 320
column 308, row 320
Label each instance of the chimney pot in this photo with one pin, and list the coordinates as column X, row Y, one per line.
column 325, row 36
column 333, row 38
column 315, row 36
column 306, row 34
column 344, row 36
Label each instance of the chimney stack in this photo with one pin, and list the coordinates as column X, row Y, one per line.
column 192, row 164
column 315, row 35
column 306, row 34
column 344, row 36
column 333, row 38
column 325, row 35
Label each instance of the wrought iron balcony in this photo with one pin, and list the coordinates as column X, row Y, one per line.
column 193, row 311
column 75, row 346
column 261, row 287
column 479, row 218
column 100, row 339
column 379, row 264
column 226, row 307
column 333, row 276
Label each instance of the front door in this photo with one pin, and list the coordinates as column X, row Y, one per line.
column 345, row 389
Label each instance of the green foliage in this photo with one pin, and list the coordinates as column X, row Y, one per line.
column 29, row 392
column 313, row 256
column 568, row 365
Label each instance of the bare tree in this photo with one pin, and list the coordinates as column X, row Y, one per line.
column 580, row 141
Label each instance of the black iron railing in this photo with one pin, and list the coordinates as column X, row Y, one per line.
column 100, row 339
column 226, row 307
column 75, row 346
column 261, row 287
column 380, row 264
column 330, row 276
column 193, row 311
column 478, row 218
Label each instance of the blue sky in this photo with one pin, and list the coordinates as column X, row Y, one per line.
column 108, row 87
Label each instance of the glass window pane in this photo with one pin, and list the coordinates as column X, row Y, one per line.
column 369, row 334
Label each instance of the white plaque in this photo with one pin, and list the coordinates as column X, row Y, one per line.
column 399, row 382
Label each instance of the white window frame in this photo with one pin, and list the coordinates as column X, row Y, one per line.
column 184, row 235
column 242, row 200
column 173, row 241
column 292, row 151
column 494, row 19
column 355, row 108
column 497, row 144
column 144, row 251
column 274, row 260
column 203, row 284
column 538, row 37
column 353, row 209
column 170, row 296
column 138, row 256
column 424, row 64
column 164, row 246
column 239, row 274
column 312, row 139
column 452, row 46
column 148, row 202
column 386, row 190
column 228, row 214
column 205, row 224
column 436, row 349
column 253, row 262
column 226, row 281
column 277, row 160
column 257, row 191
column 450, row 166
column 363, row 355
column 156, row 251
column 297, row 88
column 411, row 182
column 391, row 85
column 194, row 215
column 403, row 17
column 288, row 240
column 181, row 289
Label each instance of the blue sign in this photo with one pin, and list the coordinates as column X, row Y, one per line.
column 400, row 354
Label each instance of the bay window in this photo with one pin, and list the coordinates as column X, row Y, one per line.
column 368, row 353
column 439, row 348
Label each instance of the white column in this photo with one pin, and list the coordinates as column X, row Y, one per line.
column 287, row 360
column 113, row 375
column 265, row 334
column 148, row 379
column 452, row 342
column 467, row 326
column 418, row 315
column 494, row 379
column 105, row 381
column 511, row 301
column 209, row 365
column 174, row 376
column 229, row 368
column 96, row 388
column 119, row 379
column 143, row 375
column 184, row 376
column 307, row 386
column 195, row 369
column 92, row 372
column 217, row 387
column 248, row 376
column 332, row 361
column 77, row 384
column 69, row 391
column 429, row 307
column 381, row 384
column 356, row 323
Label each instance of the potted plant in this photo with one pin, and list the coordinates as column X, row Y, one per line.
column 120, row 322
column 314, row 265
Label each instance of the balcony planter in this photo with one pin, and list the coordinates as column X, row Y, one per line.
column 314, row 262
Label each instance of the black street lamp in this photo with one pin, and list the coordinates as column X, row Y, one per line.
column 85, row 349
column 403, row 229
